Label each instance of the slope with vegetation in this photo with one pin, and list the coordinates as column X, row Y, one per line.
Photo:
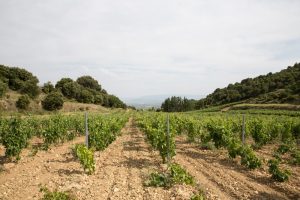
column 17, row 81
column 273, row 88
column 280, row 87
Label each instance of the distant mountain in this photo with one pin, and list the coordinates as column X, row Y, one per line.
column 155, row 101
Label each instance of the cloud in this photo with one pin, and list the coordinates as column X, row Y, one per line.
column 137, row 48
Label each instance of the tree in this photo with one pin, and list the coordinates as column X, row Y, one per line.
column 62, row 82
column 53, row 101
column 85, row 96
column 48, row 87
column 71, row 89
column 31, row 89
column 98, row 99
column 89, row 82
column 115, row 102
column 23, row 102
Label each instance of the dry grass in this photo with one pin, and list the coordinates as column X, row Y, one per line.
column 8, row 105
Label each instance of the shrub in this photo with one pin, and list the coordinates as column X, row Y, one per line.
column 85, row 96
column 23, row 102
column 278, row 174
column 3, row 88
column 30, row 88
column 48, row 88
column 175, row 175
column 53, row 101
column 86, row 157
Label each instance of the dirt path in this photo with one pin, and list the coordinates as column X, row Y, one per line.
column 120, row 172
column 223, row 178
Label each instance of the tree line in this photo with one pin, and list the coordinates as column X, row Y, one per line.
column 280, row 87
column 178, row 104
column 85, row 89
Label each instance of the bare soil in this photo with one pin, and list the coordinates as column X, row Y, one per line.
column 123, row 167
column 121, row 170
column 223, row 178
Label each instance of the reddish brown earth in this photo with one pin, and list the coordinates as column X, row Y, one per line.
column 123, row 167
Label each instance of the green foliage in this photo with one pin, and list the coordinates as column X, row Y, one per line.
column 23, row 102
column 180, row 175
column 86, row 157
column 177, row 104
column 87, row 90
column 286, row 134
column 55, row 195
column 249, row 159
column 258, row 132
column 219, row 134
column 234, row 148
column 48, row 88
column 155, row 127
column 30, row 88
column 279, row 87
column 3, row 88
column 175, row 175
column 15, row 136
column 98, row 99
column 71, row 90
column 199, row 196
column 59, row 85
column 296, row 131
column 104, row 130
column 19, row 80
column 60, row 128
column 283, row 148
column 85, row 96
column 89, row 82
column 278, row 174
column 115, row 102
column 53, row 101
column 295, row 157
column 157, row 179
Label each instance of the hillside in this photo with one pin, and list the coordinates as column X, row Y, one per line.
column 280, row 87
column 81, row 94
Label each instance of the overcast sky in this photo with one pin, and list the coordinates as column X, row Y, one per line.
column 138, row 47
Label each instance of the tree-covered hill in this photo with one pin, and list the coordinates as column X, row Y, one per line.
column 84, row 90
column 280, row 87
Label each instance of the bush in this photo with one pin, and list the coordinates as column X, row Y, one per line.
column 85, row 96
column 175, row 175
column 71, row 89
column 278, row 174
column 86, row 157
column 89, row 82
column 30, row 88
column 3, row 88
column 53, row 101
column 23, row 102
column 48, row 88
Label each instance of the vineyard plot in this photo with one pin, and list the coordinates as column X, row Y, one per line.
column 121, row 170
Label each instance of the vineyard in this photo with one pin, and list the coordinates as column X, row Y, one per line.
column 148, row 155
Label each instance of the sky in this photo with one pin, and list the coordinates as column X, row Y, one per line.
column 137, row 48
